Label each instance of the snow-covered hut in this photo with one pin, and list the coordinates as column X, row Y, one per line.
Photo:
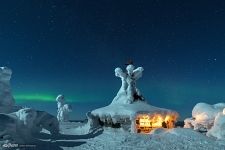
column 129, row 110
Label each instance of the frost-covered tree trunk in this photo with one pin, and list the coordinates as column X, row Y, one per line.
column 131, row 89
column 122, row 91
column 123, row 76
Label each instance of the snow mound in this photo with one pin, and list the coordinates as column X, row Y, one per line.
column 20, row 127
column 203, row 112
column 203, row 116
column 218, row 129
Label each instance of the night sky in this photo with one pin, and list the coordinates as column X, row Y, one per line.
column 73, row 46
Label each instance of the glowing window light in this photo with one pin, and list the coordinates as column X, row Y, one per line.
column 145, row 121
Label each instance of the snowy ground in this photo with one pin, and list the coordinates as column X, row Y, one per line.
column 73, row 138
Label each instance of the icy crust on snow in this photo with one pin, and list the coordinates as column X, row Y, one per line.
column 119, row 113
column 6, row 99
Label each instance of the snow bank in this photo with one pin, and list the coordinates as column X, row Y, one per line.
column 6, row 99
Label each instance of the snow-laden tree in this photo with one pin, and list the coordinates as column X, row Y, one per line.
column 21, row 126
column 63, row 109
column 128, row 92
column 6, row 99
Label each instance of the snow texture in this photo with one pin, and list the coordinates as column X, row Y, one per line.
column 218, row 129
column 159, row 139
column 128, row 102
column 119, row 113
column 91, row 125
column 6, row 99
column 203, row 116
column 93, row 122
column 21, row 126
column 128, row 92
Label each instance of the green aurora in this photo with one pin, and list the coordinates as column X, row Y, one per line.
column 34, row 97
column 37, row 97
column 21, row 97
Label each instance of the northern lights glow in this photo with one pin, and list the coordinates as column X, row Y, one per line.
column 73, row 50
column 34, row 97
column 39, row 97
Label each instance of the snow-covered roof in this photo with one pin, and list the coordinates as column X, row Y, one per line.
column 129, row 101
column 116, row 111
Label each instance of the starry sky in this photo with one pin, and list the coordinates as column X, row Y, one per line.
column 72, row 47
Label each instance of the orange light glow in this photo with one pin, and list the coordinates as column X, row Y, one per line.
column 201, row 117
column 157, row 121
column 145, row 122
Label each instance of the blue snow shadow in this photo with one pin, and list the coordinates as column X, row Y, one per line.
column 47, row 142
